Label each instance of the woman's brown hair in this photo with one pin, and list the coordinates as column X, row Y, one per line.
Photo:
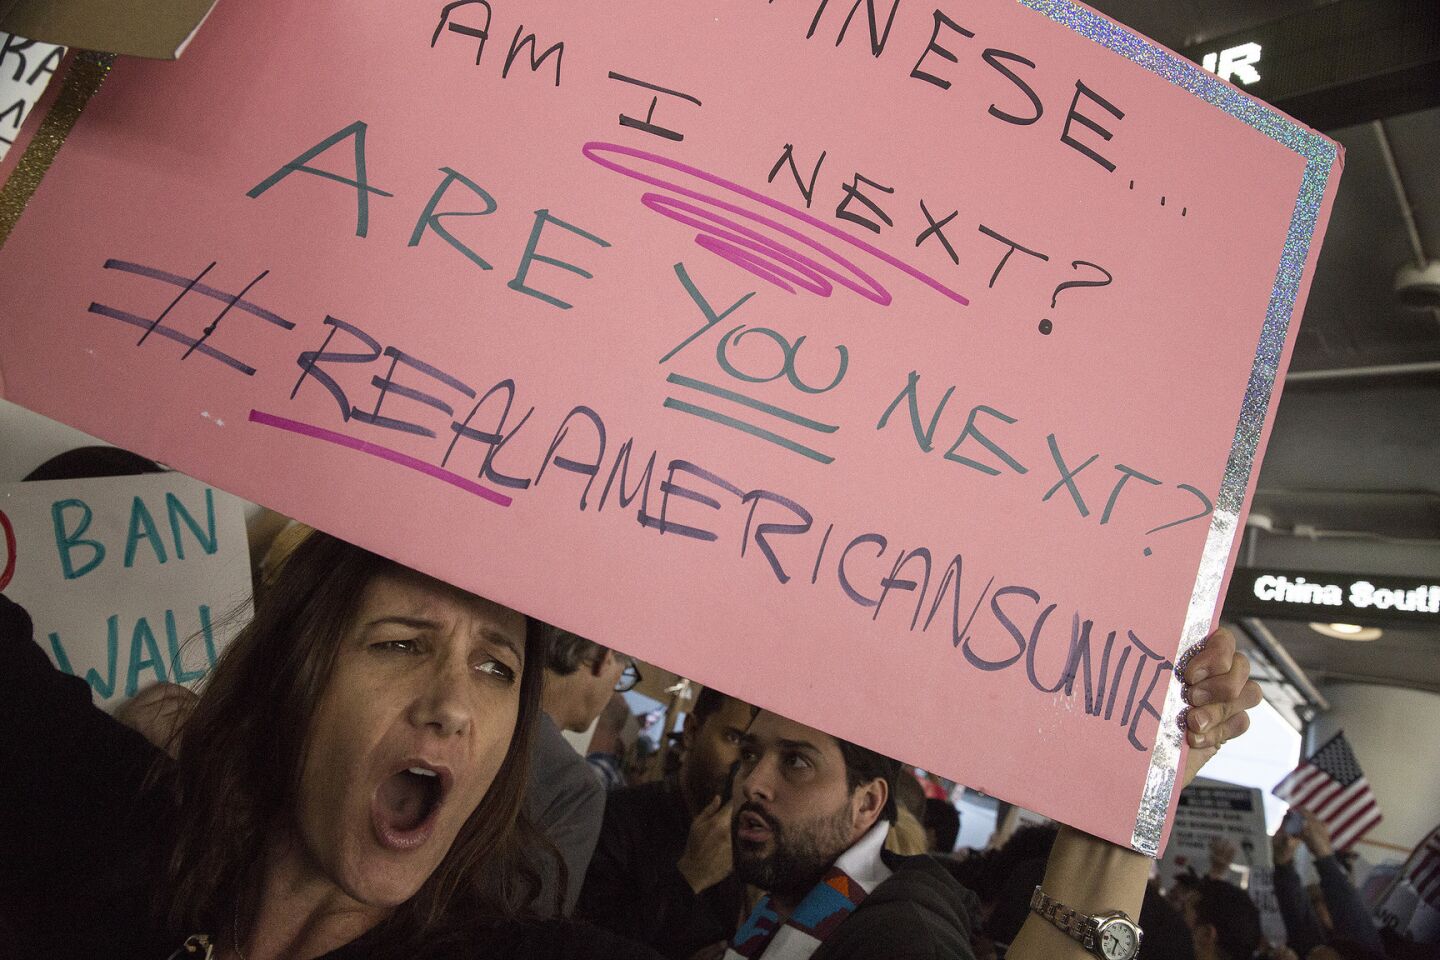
column 236, row 779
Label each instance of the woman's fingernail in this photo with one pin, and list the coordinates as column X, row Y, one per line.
column 1199, row 740
column 1202, row 722
column 1198, row 675
column 1199, row 696
column 1182, row 667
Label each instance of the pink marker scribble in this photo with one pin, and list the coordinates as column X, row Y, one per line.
column 379, row 452
column 816, row 269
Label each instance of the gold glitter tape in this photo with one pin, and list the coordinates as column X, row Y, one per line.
column 84, row 77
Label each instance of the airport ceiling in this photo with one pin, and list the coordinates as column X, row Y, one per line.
column 1351, row 480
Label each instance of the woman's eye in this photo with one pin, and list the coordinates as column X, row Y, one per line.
column 403, row 646
column 497, row 669
column 797, row 762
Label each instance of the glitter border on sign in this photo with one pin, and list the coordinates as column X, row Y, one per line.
column 1319, row 155
column 81, row 81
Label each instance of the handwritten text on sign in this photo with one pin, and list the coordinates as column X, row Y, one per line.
column 819, row 352
column 126, row 578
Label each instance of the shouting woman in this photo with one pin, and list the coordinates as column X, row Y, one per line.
column 349, row 785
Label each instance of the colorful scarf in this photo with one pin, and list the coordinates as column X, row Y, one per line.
column 852, row 878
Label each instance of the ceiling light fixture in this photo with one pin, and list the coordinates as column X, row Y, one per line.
column 1346, row 631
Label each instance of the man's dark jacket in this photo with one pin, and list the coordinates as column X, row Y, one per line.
column 634, row 888
column 920, row 913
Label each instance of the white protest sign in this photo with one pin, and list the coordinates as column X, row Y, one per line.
column 1210, row 809
column 128, row 579
column 26, row 67
column 1406, row 912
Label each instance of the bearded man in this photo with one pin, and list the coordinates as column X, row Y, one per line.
column 811, row 816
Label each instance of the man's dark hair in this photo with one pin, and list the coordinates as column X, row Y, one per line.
column 1012, row 899
column 84, row 463
column 1167, row 937
column 566, row 652
column 863, row 766
column 1233, row 915
column 709, row 701
column 1009, row 876
column 942, row 817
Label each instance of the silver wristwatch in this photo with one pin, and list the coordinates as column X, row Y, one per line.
column 1110, row 936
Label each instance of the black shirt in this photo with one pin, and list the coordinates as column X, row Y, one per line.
column 633, row 886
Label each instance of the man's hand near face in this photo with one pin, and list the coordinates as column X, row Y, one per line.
column 707, row 858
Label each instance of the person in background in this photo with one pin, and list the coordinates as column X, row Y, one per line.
column 1167, row 935
column 565, row 799
column 907, row 834
column 580, row 678
column 942, row 826
column 662, row 873
column 1016, row 869
column 606, row 755
column 1275, row 951
column 1010, row 874
column 1222, row 858
column 1224, row 922
column 1349, row 920
column 642, row 760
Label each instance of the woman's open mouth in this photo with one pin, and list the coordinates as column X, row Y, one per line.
column 404, row 806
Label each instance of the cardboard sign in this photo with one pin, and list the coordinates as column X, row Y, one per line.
column 137, row 28
column 1407, row 913
column 900, row 369
column 130, row 580
column 1209, row 809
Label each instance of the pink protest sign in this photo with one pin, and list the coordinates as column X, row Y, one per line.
column 900, row 369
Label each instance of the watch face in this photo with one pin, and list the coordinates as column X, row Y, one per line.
column 1119, row 941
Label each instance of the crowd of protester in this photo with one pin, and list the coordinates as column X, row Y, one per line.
column 657, row 859
column 664, row 872
column 663, row 869
column 378, row 767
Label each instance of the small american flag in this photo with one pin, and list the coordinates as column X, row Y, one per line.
column 1423, row 872
column 1330, row 784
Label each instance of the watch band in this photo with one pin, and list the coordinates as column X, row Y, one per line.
column 1078, row 926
